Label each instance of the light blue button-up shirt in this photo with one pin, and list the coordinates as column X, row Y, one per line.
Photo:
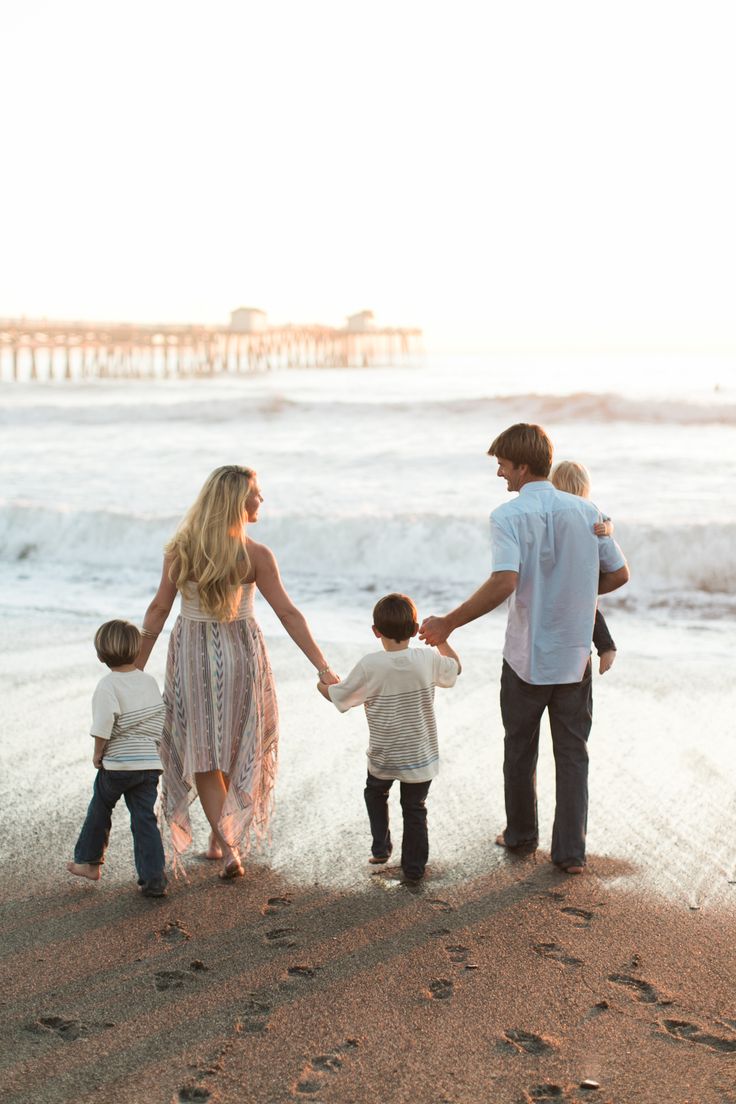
column 547, row 536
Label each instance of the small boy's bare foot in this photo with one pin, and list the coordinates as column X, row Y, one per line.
column 606, row 662
column 85, row 870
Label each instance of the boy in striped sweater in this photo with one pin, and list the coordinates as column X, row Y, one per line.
column 396, row 686
column 127, row 721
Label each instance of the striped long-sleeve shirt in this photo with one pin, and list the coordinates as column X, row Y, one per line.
column 397, row 690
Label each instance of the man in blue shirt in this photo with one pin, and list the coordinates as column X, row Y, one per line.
column 550, row 565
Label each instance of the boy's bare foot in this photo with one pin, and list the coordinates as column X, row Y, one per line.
column 573, row 869
column 85, row 870
column 606, row 662
column 214, row 851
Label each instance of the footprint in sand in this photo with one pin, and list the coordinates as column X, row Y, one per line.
column 545, row 1094
column 527, row 1042
column 642, row 990
column 174, row 932
column 275, row 905
column 457, row 953
column 312, row 1077
column 583, row 915
column 189, row 1094
column 169, row 979
column 255, row 1012
column 440, row 906
column 681, row 1029
column 440, row 989
column 281, row 937
column 63, row 1028
column 557, row 954
column 306, row 972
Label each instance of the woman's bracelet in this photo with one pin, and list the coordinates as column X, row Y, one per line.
column 148, row 633
column 323, row 671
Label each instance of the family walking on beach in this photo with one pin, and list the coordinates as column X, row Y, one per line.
column 215, row 732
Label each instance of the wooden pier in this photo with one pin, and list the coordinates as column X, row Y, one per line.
column 35, row 349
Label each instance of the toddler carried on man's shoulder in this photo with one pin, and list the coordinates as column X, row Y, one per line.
column 573, row 477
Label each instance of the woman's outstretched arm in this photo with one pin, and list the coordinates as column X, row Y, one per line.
column 268, row 581
column 156, row 614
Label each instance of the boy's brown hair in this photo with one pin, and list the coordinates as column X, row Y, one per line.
column 395, row 617
column 117, row 643
column 524, row 443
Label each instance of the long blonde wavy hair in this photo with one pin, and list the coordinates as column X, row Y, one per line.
column 209, row 547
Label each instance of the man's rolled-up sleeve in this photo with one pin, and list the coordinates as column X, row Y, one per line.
column 610, row 556
column 505, row 553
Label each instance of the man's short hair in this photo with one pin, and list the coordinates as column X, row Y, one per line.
column 117, row 643
column 395, row 617
column 524, row 443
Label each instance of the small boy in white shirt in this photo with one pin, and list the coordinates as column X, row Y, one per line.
column 127, row 722
column 396, row 686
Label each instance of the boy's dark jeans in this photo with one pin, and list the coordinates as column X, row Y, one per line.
column 139, row 789
column 570, row 708
column 414, row 843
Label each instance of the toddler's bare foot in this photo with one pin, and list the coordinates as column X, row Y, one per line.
column 214, row 851
column 607, row 659
column 85, row 870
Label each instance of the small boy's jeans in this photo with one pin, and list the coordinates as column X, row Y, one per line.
column 139, row 789
column 414, row 843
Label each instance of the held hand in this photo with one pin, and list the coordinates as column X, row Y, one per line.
column 329, row 678
column 434, row 630
column 603, row 528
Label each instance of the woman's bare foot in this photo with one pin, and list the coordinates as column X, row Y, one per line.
column 214, row 851
column 85, row 870
column 233, row 867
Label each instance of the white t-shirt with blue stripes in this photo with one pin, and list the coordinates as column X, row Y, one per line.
column 128, row 711
column 397, row 690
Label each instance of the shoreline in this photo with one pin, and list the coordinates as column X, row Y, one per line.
column 485, row 989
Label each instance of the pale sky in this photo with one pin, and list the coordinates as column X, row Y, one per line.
column 527, row 173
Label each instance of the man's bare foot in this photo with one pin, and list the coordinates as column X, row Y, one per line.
column 214, row 851
column 522, row 849
column 606, row 662
column 85, row 870
column 572, row 869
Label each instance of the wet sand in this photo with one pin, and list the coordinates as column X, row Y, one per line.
column 315, row 977
column 515, row 985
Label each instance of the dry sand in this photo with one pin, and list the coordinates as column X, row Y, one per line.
column 516, row 985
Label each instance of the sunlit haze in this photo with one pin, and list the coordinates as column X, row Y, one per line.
column 509, row 175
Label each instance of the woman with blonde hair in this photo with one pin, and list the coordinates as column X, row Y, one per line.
column 220, row 737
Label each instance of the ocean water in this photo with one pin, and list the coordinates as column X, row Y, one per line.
column 376, row 480
column 373, row 479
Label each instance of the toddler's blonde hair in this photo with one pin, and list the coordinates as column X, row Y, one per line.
column 572, row 477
